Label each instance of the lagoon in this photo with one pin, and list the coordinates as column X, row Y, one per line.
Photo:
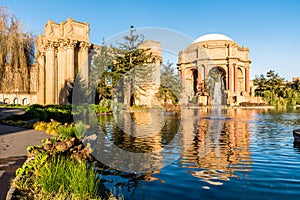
column 249, row 154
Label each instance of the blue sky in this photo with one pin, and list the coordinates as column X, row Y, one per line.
column 270, row 29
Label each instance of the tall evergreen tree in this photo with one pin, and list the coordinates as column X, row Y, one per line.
column 128, row 65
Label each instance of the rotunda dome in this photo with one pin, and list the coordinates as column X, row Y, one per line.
column 214, row 36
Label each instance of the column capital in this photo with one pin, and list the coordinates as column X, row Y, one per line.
column 70, row 44
column 84, row 46
column 51, row 45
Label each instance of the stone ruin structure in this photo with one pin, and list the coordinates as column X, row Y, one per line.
column 62, row 52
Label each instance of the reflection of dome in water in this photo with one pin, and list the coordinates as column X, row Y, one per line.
column 214, row 36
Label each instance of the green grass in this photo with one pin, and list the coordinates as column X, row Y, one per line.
column 70, row 176
column 60, row 178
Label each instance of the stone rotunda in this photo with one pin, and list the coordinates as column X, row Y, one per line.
column 214, row 55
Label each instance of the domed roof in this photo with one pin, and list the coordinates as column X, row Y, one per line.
column 214, row 36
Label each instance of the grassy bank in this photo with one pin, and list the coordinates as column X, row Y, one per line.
column 60, row 168
column 61, row 113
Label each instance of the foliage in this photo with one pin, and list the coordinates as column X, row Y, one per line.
column 99, row 74
column 117, row 68
column 47, row 177
column 76, row 178
column 62, row 113
column 275, row 90
column 16, row 54
column 63, row 132
column 32, row 165
column 59, row 167
column 13, row 106
column 169, row 85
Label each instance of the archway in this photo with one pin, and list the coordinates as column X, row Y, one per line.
column 217, row 75
column 25, row 101
column 195, row 81
column 16, row 101
column 6, row 101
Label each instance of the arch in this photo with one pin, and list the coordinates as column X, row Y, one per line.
column 218, row 74
column 25, row 101
column 195, row 81
column 6, row 101
column 16, row 101
column 190, row 82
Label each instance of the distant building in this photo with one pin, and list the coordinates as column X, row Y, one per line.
column 214, row 55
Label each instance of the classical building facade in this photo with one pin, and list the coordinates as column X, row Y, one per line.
column 214, row 56
column 61, row 53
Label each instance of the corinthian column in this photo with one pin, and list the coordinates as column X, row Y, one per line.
column 50, row 73
column 230, row 75
column 84, row 60
column 70, row 59
column 41, row 79
column 61, row 72
column 236, row 79
column 247, row 84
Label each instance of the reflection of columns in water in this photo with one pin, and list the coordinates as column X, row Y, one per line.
column 188, row 118
column 217, row 152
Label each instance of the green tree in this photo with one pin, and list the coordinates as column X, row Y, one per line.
column 100, row 77
column 275, row 90
column 169, row 84
column 130, row 65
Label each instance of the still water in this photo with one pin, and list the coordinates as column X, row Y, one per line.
column 247, row 155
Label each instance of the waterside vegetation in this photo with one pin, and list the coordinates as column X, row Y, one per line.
column 60, row 168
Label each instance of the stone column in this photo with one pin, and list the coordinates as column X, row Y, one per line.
column 205, row 72
column 61, row 72
column 41, row 79
column 50, row 73
column 247, row 81
column 84, row 60
column 236, row 79
column 230, row 75
column 70, row 59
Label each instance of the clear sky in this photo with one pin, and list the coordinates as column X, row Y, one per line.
column 269, row 28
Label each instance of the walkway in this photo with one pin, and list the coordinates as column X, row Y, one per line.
column 13, row 144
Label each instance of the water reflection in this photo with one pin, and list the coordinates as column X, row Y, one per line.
column 193, row 152
column 125, row 143
column 220, row 147
column 212, row 149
